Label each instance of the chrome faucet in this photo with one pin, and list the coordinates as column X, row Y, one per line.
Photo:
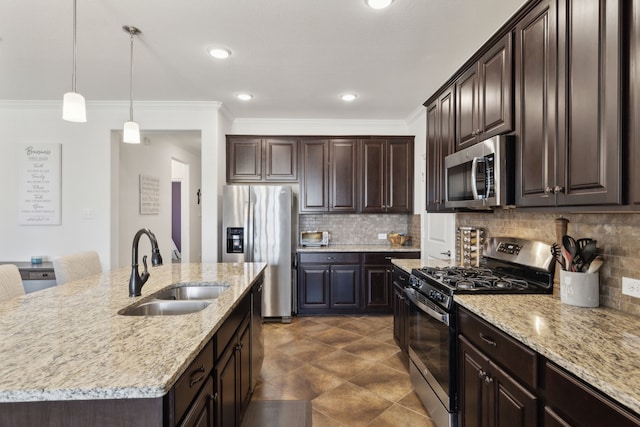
column 136, row 281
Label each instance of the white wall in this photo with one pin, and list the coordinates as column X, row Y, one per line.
column 89, row 160
column 418, row 126
column 153, row 158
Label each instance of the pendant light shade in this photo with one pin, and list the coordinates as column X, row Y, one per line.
column 131, row 129
column 73, row 106
column 131, row 133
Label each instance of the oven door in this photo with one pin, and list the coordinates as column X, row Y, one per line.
column 432, row 350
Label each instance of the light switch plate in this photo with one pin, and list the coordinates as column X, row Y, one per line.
column 631, row 287
column 382, row 236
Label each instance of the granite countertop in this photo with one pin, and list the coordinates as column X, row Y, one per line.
column 599, row 345
column 359, row 248
column 69, row 343
column 409, row 264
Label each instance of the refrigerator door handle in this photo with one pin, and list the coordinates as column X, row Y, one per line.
column 248, row 255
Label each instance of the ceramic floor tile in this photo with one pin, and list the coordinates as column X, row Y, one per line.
column 351, row 405
column 342, row 364
column 370, row 349
column 384, row 381
column 397, row 416
column 336, row 337
column 307, row 382
column 348, row 366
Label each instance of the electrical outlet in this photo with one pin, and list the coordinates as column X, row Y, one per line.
column 631, row 287
column 382, row 236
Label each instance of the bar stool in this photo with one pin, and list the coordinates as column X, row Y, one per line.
column 76, row 266
column 10, row 282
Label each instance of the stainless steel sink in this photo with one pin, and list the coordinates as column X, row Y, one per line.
column 192, row 292
column 164, row 308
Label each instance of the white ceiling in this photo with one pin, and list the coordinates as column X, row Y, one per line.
column 295, row 56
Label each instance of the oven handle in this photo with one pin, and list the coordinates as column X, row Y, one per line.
column 441, row 316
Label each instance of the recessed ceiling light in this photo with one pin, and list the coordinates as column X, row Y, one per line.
column 378, row 4
column 220, row 53
column 244, row 96
column 348, row 97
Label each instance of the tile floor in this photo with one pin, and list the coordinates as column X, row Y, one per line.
column 348, row 366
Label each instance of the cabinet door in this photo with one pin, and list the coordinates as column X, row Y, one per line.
column 473, row 400
column 377, row 287
column 314, row 191
column 495, row 89
column 399, row 176
column 399, row 318
column 467, row 105
column 281, row 159
column 536, row 70
column 345, row 286
column 589, row 89
column 511, row 404
column 440, row 143
column 633, row 165
column 373, row 169
column 201, row 413
column 313, row 286
column 244, row 159
column 243, row 350
column 227, row 388
column 343, row 192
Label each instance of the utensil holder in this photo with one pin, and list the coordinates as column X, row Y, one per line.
column 580, row 289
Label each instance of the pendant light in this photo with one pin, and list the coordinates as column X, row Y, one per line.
column 131, row 130
column 73, row 106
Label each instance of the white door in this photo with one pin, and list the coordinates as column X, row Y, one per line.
column 439, row 236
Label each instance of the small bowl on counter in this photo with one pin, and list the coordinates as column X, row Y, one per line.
column 398, row 239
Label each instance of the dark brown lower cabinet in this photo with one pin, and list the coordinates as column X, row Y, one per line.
column 202, row 411
column 377, row 279
column 489, row 396
column 400, row 309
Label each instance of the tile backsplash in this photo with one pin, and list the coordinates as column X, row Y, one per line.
column 618, row 236
column 362, row 229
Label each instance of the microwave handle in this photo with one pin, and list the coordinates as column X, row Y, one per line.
column 474, row 174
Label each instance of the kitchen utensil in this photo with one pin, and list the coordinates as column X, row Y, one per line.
column 584, row 242
column 556, row 252
column 567, row 259
column 571, row 249
column 595, row 264
column 589, row 251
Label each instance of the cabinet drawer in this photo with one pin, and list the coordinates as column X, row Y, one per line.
column 382, row 258
column 579, row 404
column 329, row 257
column 514, row 357
column 192, row 380
column 41, row 275
column 230, row 325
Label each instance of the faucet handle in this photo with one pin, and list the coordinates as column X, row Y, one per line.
column 145, row 274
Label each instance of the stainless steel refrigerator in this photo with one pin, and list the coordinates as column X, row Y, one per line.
column 257, row 227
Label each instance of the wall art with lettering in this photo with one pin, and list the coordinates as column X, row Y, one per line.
column 149, row 195
column 39, row 184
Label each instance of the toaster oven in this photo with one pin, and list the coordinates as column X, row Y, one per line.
column 314, row 238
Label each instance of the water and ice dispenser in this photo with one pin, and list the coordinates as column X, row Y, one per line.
column 235, row 240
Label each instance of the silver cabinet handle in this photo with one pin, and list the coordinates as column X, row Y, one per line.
column 488, row 340
column 448, row 253
column 557, row 189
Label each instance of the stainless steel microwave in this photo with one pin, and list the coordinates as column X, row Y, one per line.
column 481, row 176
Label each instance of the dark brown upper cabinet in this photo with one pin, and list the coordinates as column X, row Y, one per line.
column 536, row 72
column 387, row 175
column 257, row 159
column 440, row 143
column 329, row 175
column 633, row 159
column 484, row 96
column 589, row 93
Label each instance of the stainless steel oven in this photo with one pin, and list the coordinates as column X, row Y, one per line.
column 432, row 357
column 509, row 265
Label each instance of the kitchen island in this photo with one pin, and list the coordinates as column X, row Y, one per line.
column 69, row 344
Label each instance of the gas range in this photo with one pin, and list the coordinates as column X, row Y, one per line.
column 509, row 265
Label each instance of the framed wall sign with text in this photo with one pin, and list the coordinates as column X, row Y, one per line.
column 39, row 184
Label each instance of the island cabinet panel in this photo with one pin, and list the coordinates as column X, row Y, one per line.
column 202, row 412
column 589, row 93
column 83, row 413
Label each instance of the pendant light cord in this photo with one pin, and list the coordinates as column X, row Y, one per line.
column 75, row 49
column 131, row 81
